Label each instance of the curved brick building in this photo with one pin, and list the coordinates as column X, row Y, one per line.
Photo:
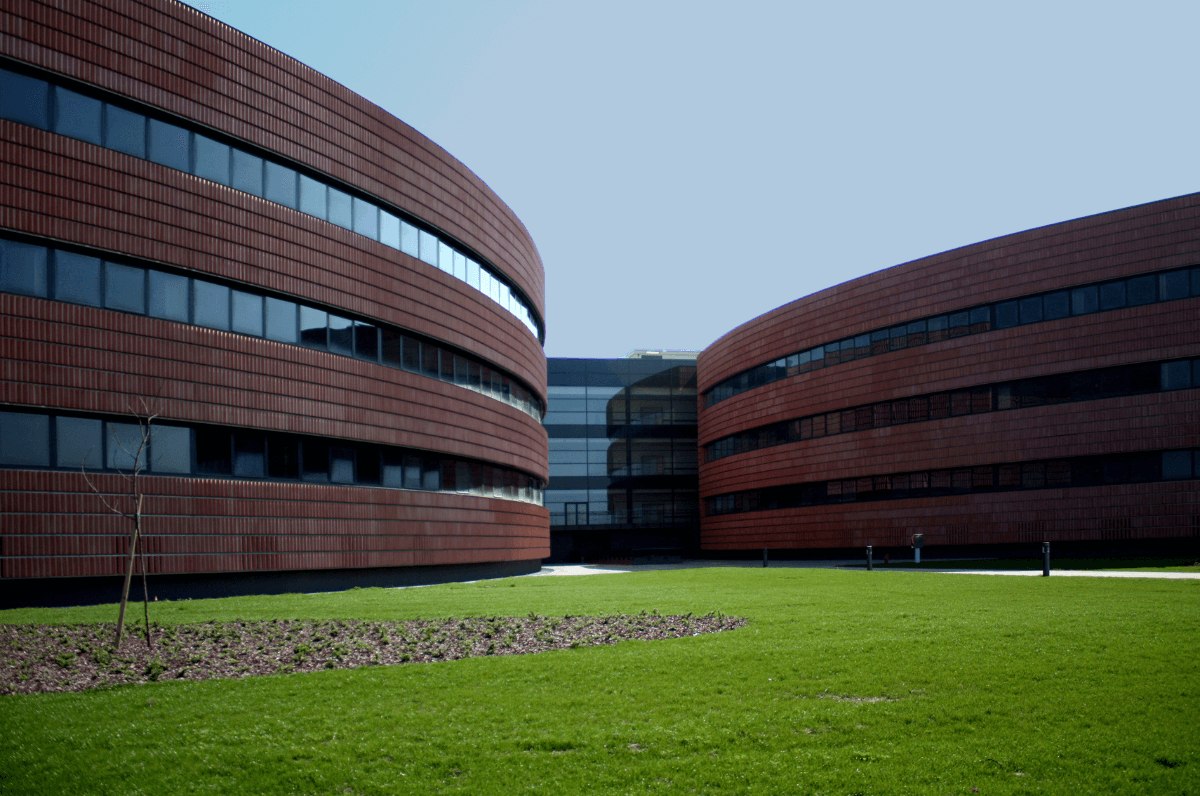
column 337, row 326
column 1040, row 386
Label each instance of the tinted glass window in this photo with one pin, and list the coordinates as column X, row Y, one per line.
column 22, row 268
column 366, row 218
column 1112, row 295
column 247, row 313
column 1176, row 464
column 125, row 131
column 445, row 259
column 1176, row 375
column 429, row 359
column 1006, row 314
column 411, row 359
column 124, row 288
column 409, row 238
column 80, row 443
column 313, row 199
column 280, row 184
column 429, row 248
column 1031, row 309
column 24, row 439
column 126, row 450
column 77, row 116
column 313, row 324
column 1085, row 300
column 389, row 229
column 168, row 145
column 1173, row 285
column 283, row 457
column 366, row 469
column 170, row 449
column 210, row 305
column 24, row 99
column 366, row 341
column 341, row 465
column 212, row 160
column 472, row 273
column 249, row 454
column 1142, row 290
column 77, row 278
column 341, row 208
column 981, row 319
column 1056, row 305
column 281, row 320
column 213, row 451
column 314, row 460
column 169, row 296
column 341, row 335
column 391, row 346
column 247, row 174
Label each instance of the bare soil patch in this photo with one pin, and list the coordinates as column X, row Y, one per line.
column 41, row 658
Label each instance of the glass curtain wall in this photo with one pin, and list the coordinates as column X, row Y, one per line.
column 623, row 477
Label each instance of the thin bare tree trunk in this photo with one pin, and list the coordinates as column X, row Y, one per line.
column 133, row 541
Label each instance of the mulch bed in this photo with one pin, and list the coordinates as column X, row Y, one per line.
column 41, row 658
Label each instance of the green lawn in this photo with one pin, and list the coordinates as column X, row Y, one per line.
column 843, row 682
column 1162, row 564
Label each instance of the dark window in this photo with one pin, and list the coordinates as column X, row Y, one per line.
column 168, row 145
column 315, row 460
column 168, row 296
column 210, row 305
column 1196, row 281
column 313, row 197
column 939, row 406
column 22, row 268
column 283, row 456
column 1176, row 465
column 939, row 328
column 431, row 476
column 1031, row 309
column 1176, row 375
column 391, row 345
column 1085, row 300
column 281, row 320
column 313, row 325
column 411, row 359
column 24, row 439
column 170, row 449
column 247, row 313
column 918, row 409
column 1112, row 295
column 279, row 184
column 412, row 471
column 212, row 160
column 981, row 319
column 429, row 359
column 126, row 448
column 1056, row 305
column 1142, row 290
column 1173, row 285
column 249, row 454
column 392, row 474
column 960, row 403
column 214, row 454
column 341, row 335
column 897, row 337
column 366, row 341
column 341, row 464
column 77, row 278
column 80, row 443
column 340, row 208
column 1007, row 314
column 77, row 116
column 24, row 99
column 125, row 131
column 367, row 470
column 124, row 288
column 959, row 324
column 366, row 218
column 247, row 173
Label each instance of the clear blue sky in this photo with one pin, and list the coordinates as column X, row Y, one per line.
column 685, row 165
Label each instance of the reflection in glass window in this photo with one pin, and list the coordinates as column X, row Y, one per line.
column 126, row 450
column 1056, row 305
column 22, row 268
column 212, row 160
column 77, row 278
column 391, row 345
column 1173, row 285
column 249, row 454
column 389, row 229
column 429, row 248
column 124, row 131
column 313, row 327
column 80, row 443
column 170, row 449
column 168, row 296
column 409, row 239
column 24, row 439
column 247, row 313
column 313, row 197
column 341, row 335
column 1142, row 290
column 168, row 145
column 445, row 258
column 210, row 305
column 1031, row 310
column 1112, row 295
column 366, row 218
column 1085, row 300
column 77, row 116
column 279, row 184
column 247, row 172
column 366, row 341
column 24, row 99
column 473, row 273
column 124, row 288
column 341, row 464
column 281, row 320
column 340, row 208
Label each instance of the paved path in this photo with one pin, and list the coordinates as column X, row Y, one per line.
column 613, row 569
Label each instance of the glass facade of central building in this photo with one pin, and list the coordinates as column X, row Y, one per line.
column 622, row 438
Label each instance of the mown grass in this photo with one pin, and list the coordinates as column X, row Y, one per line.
column 843, row 682
column 1161, row 564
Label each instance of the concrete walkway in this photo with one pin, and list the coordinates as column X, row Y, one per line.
column 615, row 569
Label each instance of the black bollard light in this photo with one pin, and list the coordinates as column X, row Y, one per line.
column 1045, row 559
column 870, row 563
